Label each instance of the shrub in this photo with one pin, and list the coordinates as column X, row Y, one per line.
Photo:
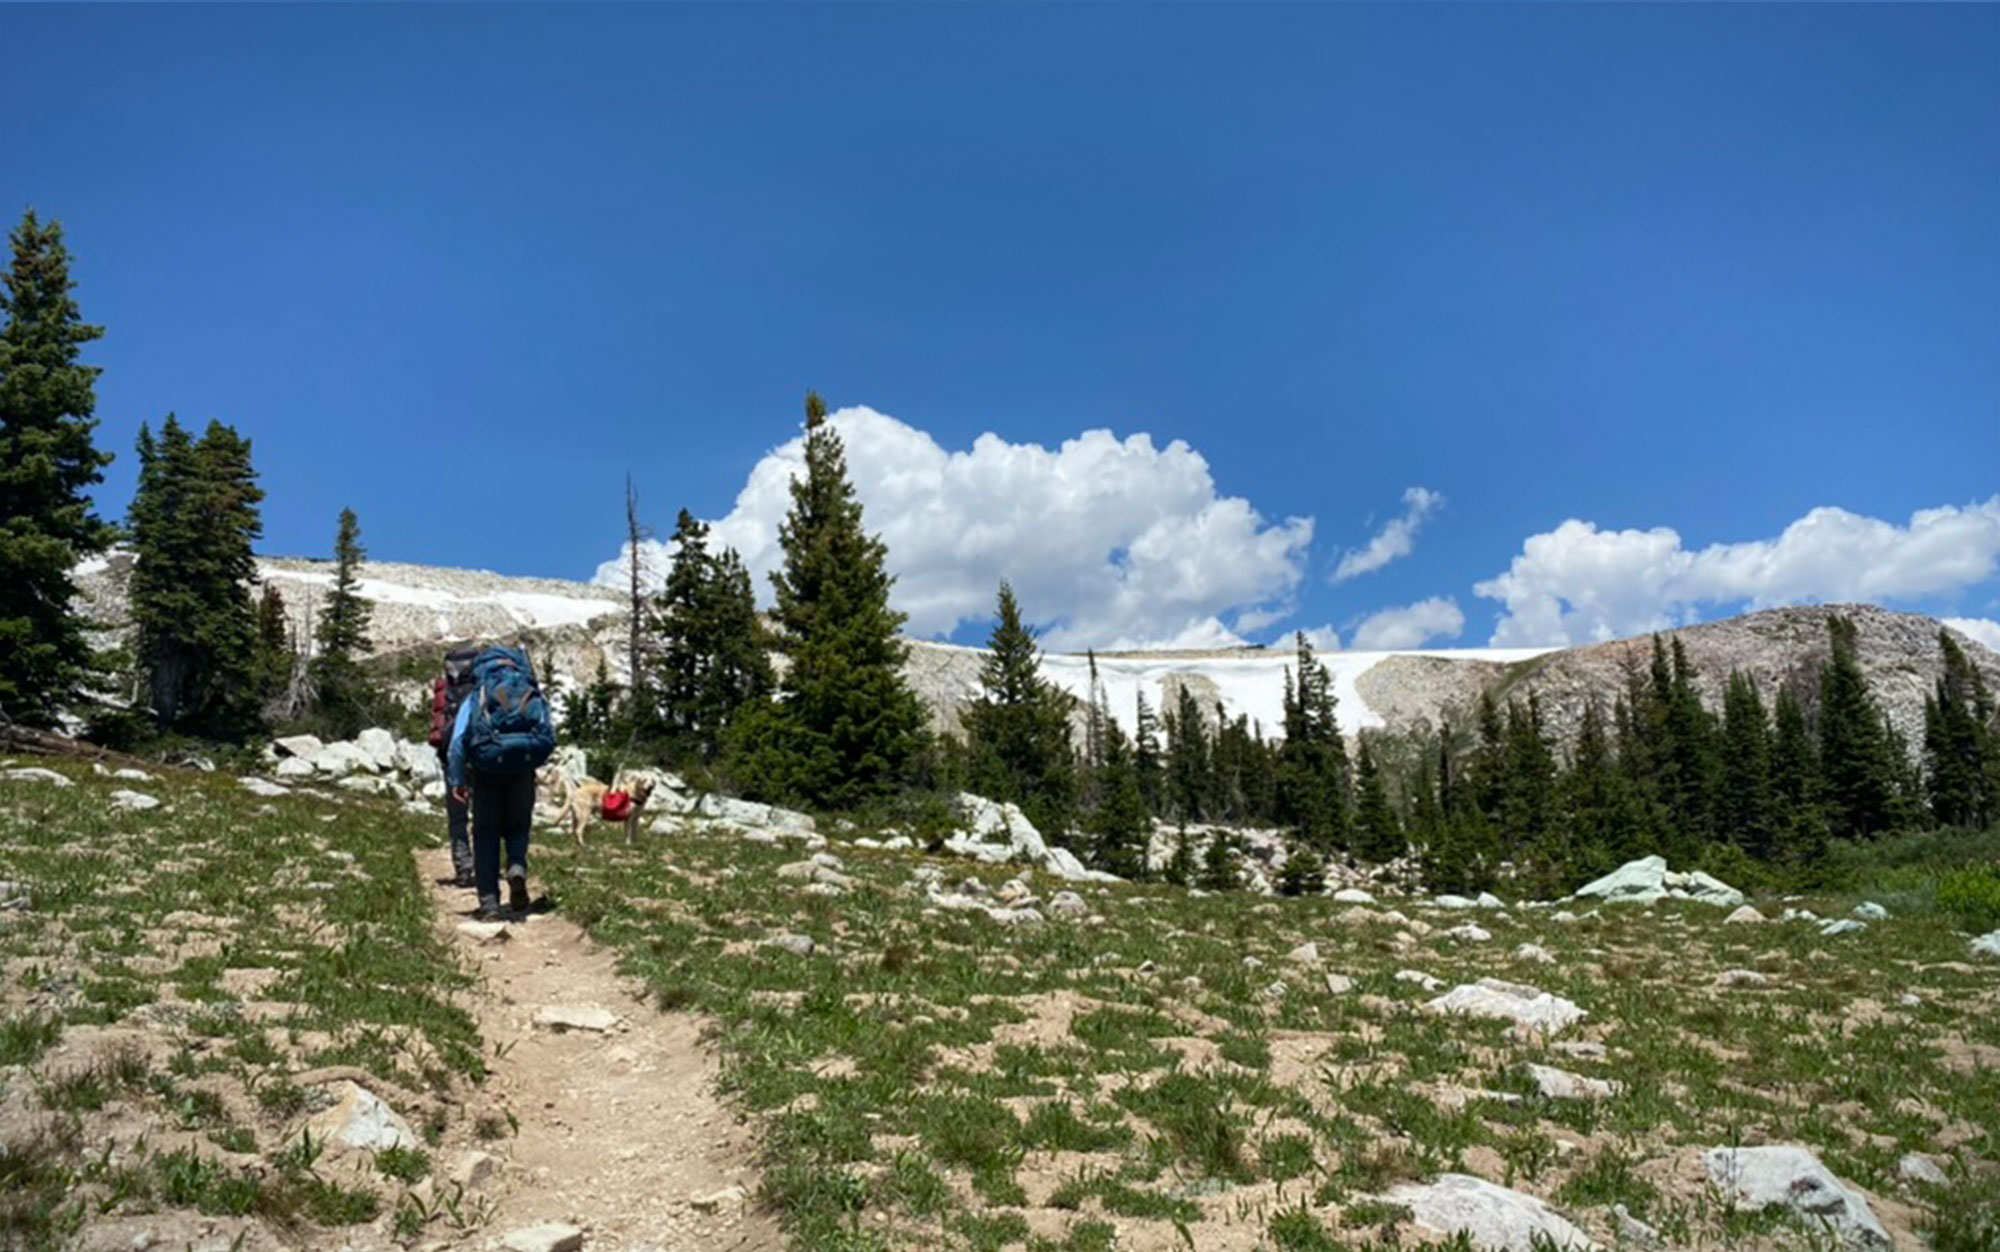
column 1972, row 896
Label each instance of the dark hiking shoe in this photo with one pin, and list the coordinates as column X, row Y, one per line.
column 517, row 889
column 488, row 910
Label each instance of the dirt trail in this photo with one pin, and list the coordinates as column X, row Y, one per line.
column 620, row 1131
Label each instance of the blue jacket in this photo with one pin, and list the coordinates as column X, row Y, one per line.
column 455, row 756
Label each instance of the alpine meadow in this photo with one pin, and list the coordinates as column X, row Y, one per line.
column 1409, row 662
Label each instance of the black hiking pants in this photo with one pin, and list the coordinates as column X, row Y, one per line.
column 455, row 815
column 503, row 809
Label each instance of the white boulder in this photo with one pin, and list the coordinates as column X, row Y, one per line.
column 1794, row 1178
column 1526, row 1006
column 1495, row 1217
column 1987, row 944
column 360, row 1119
column 133, row 801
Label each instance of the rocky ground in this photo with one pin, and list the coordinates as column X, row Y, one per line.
column 236, row 1013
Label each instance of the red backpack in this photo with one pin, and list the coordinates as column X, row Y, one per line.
column 448, row 691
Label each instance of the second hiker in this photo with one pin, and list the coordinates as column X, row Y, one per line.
column 448, row 692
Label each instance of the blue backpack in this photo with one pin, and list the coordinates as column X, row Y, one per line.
column 508, row 731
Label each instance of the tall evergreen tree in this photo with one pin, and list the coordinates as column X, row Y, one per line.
column 47, row 463
column 1017, row 729
column 708, row 654
column 1529, row 812
column 1378, row 832
column 1315, row 786
column 1188, row 760
column 1596, row 800
column 1958, row 743
column 1118, row 826
column 846, row 727
column 1748, row 805
column 1800, row 826
column 1147, row 758
column 1856, row 767
column 340, row 688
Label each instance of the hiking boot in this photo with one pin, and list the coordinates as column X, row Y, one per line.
column 488, row 910
column 517, row 888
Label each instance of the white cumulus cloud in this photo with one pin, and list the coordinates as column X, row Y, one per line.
column 1395, row 540
column 1108, row 542
column 1578, row 584
column 1978, row 629
column 1411, row 626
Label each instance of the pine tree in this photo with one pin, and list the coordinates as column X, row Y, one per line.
column 1595, row 798
column 47, row 461
column 1801, row 828
column 846, row 728
column 1958, row 743
column 1749, row 805
column 1378, row 832
column 1146, row 756
column 275, row 652
column 708, row 653
column 340, row 689
column 193, row 523
column 1179, row 871
column 1856, row 768
column 1119, row 827
column 1315, row 787
column 1221, row 868
column 1528, row 824
column 1017, row 730
column 1690, row 739
column 1188, row 763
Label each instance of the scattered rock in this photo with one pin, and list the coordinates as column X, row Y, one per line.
column 1633, row 1231
column 474, row 1169
column 1487, row 900
column 1921, row 1169
column 1304, row 954
column 133, row 801
column 1869, row 911
column 131, row 775
column 1987, row 944
column 1339, row 984
column 1455, row 902
column 1745, row 916
column 1494, row 1217
column 1068, row 904
column 547, row 1237
column 1584, row 1048
column 1420, row 978
column 264, row 787
column 295, row 767
column 306, row 746
column 1352, row 895
column 1844, row 926
column 1534, row 952
column 1472, row 932
column 1491, row 997
column 361, row 1119
column 797, row 945
column 721, row 1199
column 1740, row 978
column 1648, row 880
column 35, row 773
column 1794, row 1178
column 576, row 1017
column 1560, row 1084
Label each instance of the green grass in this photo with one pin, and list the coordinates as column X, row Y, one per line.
column 138, row 919
column 929, row 1078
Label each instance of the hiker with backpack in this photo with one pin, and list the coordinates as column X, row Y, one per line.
column 502, row 734
column 448, row 692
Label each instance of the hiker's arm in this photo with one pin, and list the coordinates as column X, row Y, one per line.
column 455, row 758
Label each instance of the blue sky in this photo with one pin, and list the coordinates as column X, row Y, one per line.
column 1628, row 315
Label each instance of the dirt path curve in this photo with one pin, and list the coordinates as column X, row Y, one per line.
column 620, row 1131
